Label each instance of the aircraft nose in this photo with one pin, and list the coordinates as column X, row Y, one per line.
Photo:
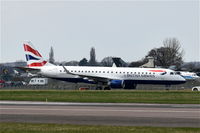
column 182, row 79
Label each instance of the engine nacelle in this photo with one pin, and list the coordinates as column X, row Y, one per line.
column 122, row 84
column 116, row 83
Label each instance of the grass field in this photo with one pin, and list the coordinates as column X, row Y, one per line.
column 113, row 96
column 64, row 128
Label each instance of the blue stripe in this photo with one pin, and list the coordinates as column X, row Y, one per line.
column 160, row 82
column 30, row 57
column 187, row 77
column 75, row 80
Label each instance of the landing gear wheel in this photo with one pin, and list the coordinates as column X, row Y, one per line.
column 107, row 88
column 99, row 88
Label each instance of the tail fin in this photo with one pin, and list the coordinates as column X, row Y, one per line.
column 33, row 57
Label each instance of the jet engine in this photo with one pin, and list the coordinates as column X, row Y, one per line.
column 122, row 84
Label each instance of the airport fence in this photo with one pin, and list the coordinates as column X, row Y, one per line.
column 73, row 86
column 62, row 85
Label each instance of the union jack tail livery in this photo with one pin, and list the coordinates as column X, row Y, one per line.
column 33, row 57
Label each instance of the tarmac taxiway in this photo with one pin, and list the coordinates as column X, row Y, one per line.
column 124, row 114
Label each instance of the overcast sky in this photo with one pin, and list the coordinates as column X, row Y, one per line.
column 127, row 29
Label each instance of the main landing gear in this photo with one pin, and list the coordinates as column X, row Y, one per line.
column 167, row 87
column 103, row 88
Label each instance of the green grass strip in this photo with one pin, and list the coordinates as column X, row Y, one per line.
column 65, row 128
column 113, row 96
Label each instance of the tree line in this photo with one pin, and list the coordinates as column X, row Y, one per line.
column 169, row 54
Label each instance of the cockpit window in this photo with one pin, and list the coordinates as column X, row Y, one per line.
column 171, row 73
column 178, row 73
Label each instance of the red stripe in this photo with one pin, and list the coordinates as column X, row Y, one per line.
column 157, row 70
column 37, row 64
column 28, row 48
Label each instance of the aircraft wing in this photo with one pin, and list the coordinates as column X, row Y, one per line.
column 93, row 78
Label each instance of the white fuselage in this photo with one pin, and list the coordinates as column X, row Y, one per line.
column 114, row 73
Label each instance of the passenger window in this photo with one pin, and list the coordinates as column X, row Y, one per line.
column 171, row 73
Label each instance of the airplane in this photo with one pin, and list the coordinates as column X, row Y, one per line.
column 118, row 62
column 189, row 75
column 104, row 77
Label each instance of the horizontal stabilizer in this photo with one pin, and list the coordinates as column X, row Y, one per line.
column 29, row 69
